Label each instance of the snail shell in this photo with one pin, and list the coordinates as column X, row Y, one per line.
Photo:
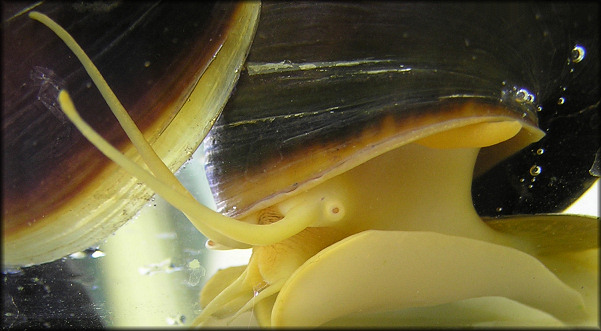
column 60, row 195
column 323, row 95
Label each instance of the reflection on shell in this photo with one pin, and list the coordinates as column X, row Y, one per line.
column 409, row 63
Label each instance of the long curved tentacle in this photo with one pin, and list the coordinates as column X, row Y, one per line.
column 163, row 181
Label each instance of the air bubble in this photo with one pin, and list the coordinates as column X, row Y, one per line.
column 535, row 170
column 561, row 101
column 147, row 64
column 260, row 287
column 78, row 255
column 540, row 151
column 499, row 209
column 523, row 95
column 97, row 254
column 578, row 53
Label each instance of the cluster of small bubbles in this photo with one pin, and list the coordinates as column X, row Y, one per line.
column 535, row 170
column 523, row 95
column 520, row 95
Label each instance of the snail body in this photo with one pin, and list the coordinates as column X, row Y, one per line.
column 362, row 188
column 355, row 121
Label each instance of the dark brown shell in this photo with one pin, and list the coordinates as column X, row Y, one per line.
column 327, row 82
column 152, row 55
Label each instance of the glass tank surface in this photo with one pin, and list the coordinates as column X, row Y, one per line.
column 462, row 139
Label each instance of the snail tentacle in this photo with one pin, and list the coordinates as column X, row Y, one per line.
column 230, row 299
column 215, row 225
column 294, row 222
column 150, row 158
column 156, row 165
